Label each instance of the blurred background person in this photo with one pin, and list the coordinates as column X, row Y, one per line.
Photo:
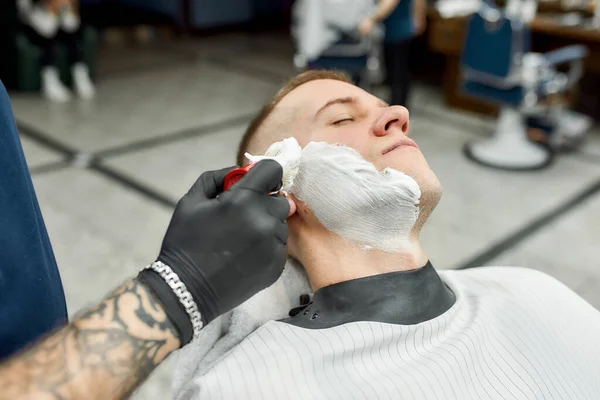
column 326, row 36
column 403, row 21
column 47, row 23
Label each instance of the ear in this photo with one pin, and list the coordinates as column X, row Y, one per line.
column 302, row 209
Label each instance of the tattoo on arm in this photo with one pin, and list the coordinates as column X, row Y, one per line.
column 105, row 353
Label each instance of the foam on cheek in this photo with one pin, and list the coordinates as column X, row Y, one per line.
column 351, row 198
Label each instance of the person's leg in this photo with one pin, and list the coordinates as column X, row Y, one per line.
column 71, row 35
column 397, row 66
column 73, row 42
column 52, row 87
column 45, row 44
column 403, row 52
column 32, row 301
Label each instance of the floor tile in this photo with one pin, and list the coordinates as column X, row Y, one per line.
column 591, row 292
column 592, row 143
column 280, row 66
column 486, row 205
column 268, row 53
column 523, row 257
column 101, row 232
column 450, row 244
column 572, row 240
column 130, row 108
column 423, row 94
column 91, row 262
column 273, row 43
column 36, row 154
column 586, row 283
column 135, row 58
column 228, row 45
column 429, row 102
column 176, row 166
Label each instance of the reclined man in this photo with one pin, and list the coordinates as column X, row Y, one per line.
column 383, row 323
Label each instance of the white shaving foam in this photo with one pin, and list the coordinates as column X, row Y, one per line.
column 287, row 153
column 351, row 198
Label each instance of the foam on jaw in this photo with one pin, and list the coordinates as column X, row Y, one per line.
column 350, row 197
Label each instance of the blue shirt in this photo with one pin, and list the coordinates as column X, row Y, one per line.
column 32, row 301
column 399, row 25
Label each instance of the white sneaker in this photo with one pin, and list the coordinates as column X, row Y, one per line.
column 83, row 84
column 52, row 87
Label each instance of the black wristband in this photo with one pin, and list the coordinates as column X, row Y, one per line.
column 173, row 307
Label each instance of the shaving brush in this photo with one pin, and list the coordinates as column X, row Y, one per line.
column 287, row 153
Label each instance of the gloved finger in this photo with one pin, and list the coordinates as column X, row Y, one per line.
column 278, row 265
column 282, row 232
column 264, row 177
column 209, row 184
column 279, row 207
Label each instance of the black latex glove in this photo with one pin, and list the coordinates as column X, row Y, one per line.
column 225, row 249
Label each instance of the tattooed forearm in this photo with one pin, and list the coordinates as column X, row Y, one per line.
column 104, row 353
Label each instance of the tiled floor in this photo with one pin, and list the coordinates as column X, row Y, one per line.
column 164, row 116
column 38, row 155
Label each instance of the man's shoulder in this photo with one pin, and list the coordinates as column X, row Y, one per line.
column 513, row 274
column 514, row 283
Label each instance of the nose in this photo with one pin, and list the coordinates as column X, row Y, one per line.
column 392, row 119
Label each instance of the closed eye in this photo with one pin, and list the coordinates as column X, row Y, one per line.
column 343, row 120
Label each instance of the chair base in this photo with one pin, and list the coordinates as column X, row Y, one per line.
column 509, row 148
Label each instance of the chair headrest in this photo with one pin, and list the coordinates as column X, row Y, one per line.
column 493, row 48
column 490, row 12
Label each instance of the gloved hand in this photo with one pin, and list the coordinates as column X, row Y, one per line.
column 224, row 249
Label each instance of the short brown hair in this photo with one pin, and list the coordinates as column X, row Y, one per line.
column 298, row 80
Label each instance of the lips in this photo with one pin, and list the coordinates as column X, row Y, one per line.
column 404, row 142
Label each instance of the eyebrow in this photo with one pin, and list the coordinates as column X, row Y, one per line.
column 344, row 100
column 340, row 100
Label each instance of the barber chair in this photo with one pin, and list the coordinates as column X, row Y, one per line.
column 498, row 66
column 326, row 38
column 360, row 57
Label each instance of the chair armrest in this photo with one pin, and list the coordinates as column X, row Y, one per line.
column 573, row 55
column 566, row 54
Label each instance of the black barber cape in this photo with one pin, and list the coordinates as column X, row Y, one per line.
column 486, row 333
column 32, row 301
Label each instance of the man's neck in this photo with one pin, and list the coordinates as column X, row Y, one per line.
column 329, row 259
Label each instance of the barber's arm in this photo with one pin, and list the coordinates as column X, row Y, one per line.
column 103, row 354
column 217, row 253
column 420, row 16
column 382, row 11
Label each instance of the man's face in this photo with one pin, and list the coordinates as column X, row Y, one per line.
column 340, row 113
